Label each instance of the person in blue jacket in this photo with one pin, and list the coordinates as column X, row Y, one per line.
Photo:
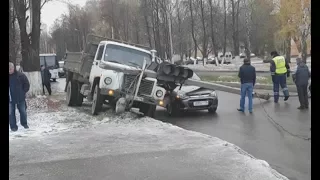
column 18, row 87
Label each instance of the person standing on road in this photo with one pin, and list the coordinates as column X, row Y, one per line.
column 301, row 77
column 280, row 70
column 18, row 87
column 46, row 76
column 247, row 75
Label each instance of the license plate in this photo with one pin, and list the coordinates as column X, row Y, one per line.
column 201, row 103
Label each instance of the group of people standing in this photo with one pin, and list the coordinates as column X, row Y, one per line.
column 18, row 87
column 280, row 71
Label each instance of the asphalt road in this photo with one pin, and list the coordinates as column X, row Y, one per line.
column 256, row 134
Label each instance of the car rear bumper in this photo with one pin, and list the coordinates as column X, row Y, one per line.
column 188, row 104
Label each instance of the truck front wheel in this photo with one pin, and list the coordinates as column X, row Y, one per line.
column 148, row 110
column 97, row 101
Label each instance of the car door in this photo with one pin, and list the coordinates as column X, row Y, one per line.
column 95, row 69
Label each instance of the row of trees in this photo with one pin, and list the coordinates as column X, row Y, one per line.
column 205, row 26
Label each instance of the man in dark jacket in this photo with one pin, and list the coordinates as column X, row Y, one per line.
column 247, row 75
column 301, row 77
column 18, row 87
column 46, row 76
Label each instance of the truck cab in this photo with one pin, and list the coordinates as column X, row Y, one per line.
column 97, row 74
column 113, row 84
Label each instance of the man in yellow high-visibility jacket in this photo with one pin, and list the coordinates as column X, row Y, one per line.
column 280, row 70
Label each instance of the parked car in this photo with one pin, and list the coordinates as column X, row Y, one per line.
column 191, row 98
column 188, row 61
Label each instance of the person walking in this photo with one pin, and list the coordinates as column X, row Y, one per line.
column 280, row 70
column 247, row 75
column 18, row 87
column 46, row 76
column 301, row 77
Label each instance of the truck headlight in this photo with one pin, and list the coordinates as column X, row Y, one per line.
column 213, row 93
column 107, row 80
column 159, row 93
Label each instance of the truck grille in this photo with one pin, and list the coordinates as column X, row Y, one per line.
column 146, row 86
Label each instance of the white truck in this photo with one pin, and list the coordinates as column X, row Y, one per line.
column 90, row 74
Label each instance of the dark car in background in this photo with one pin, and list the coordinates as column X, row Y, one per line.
column 190, row 98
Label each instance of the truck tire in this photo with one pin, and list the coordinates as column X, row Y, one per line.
column 97, row 100
column 71, row 96
column 148, row 110
column 79, row 98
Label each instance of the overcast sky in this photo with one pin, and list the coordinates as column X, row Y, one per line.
column 53, row 9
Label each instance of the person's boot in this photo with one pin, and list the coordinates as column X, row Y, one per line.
column 26, row 126
column 240, row 110
column 286, row 95
column 301, row 107
column 276, row 98
column 286, row 98
column 14, row 129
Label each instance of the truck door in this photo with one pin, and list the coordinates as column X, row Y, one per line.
column 95, row 69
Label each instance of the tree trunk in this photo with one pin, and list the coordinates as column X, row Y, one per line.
column 225, row 27
column 145, row 15
column 212, row 30
column 30, row 45
column 288, row 47
column 204, row 42
column 192, row 30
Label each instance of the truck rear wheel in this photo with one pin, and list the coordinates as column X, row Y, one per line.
column 79, row 98
column 148, row 110
column 97, row 101
column 71, row 93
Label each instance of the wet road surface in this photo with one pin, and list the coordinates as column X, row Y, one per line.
column 256, row 134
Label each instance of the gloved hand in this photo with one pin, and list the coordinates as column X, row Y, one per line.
column 288, row 74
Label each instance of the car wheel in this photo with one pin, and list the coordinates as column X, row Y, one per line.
column 212, row 110
column 173, row 109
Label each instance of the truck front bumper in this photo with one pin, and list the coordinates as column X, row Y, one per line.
column 116, row 94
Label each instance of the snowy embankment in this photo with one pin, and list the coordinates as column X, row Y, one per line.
column 50, row 118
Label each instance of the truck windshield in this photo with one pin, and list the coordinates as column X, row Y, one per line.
column 127, row 56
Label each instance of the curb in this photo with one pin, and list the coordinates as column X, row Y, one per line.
column 291, row 88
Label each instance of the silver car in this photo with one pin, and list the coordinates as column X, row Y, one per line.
column 190, row 98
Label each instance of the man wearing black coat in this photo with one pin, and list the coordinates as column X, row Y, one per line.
column 46, row 76
column 18, row 87
column 301, row 77
column 247, row 75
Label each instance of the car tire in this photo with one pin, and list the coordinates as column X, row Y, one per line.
column 173, row 109
column 148, row 110
column 212, row 110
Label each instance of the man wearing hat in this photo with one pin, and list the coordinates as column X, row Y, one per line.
column 301, row 77
column 280, row 70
